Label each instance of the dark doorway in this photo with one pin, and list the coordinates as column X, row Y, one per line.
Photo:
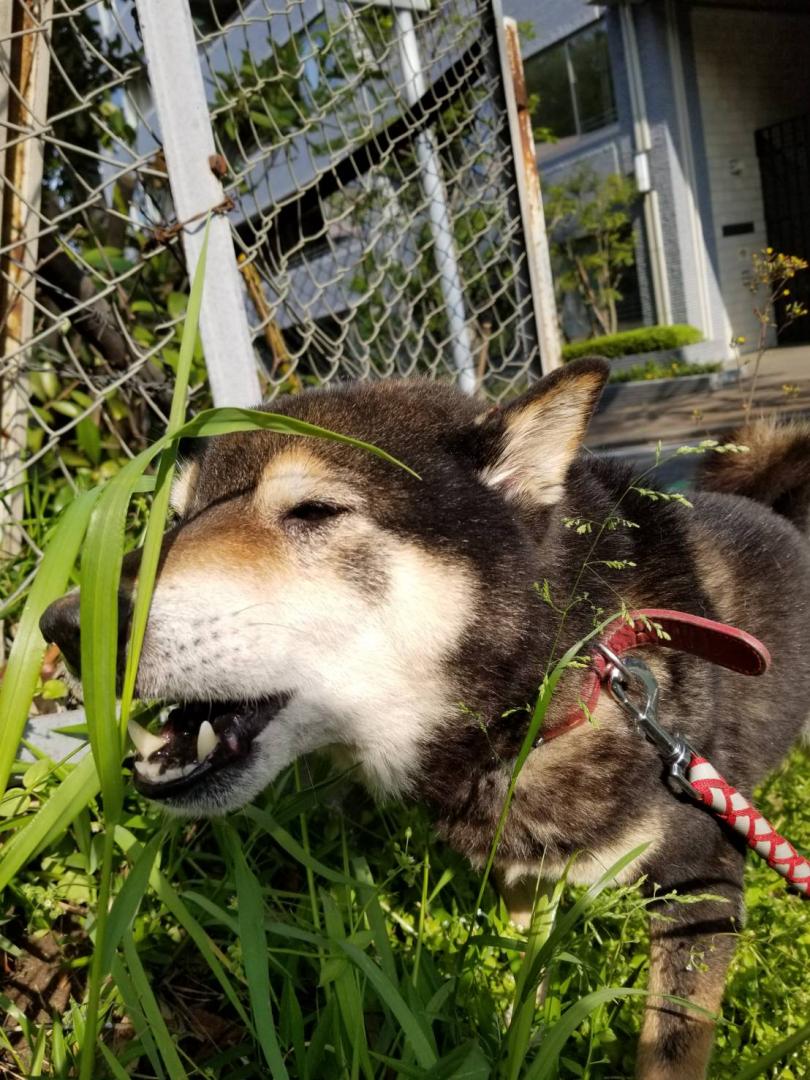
column 783, row 150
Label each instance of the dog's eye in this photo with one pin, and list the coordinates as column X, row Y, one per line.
column 313, row 512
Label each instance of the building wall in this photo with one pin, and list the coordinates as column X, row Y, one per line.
column 552, row 19
column 608, row 150
column 752, row 70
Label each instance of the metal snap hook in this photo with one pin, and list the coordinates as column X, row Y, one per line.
column 643, row 712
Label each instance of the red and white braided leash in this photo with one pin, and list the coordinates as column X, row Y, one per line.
column 708, row 640
column 733, row 807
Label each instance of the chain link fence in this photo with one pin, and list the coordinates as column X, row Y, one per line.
column 369, row 183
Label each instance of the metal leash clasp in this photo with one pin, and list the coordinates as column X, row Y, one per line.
column 642, row 708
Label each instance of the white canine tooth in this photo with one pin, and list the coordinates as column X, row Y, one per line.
column 206, row 740
column 144, row 741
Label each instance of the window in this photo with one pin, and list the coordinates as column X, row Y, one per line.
column 573, row 83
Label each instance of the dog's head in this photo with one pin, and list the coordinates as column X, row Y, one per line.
column 312, row 596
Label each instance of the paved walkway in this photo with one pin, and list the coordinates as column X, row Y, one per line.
column 783, row 386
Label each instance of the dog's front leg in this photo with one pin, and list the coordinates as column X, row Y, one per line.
column 522, row 894
column 691, row 947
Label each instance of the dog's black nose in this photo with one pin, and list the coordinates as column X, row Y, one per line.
column 60, row 624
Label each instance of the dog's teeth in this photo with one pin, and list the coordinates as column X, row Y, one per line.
column 206, row 740
column 144, row 741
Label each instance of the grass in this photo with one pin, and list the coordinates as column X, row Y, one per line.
column 365, row 929
column 313, row 934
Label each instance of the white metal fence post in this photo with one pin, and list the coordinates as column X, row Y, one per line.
column 444, row 244
column 188, row 142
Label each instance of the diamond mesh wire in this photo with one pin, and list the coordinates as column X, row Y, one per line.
column 372, row 194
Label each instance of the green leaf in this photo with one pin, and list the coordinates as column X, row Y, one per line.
column 88, row 436
column 78, row 788
column 127, row 902
column 254, row 950
column 782, row 1049
column 466, row 1062
column 390, row 995
column 544, row 1066
column 53, row 690
column 25, row 660
column 289, row 844
column 151, row 1010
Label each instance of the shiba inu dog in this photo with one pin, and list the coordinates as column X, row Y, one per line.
column 314, row 597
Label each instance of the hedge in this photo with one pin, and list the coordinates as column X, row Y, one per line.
column 675, row 369
column 630, row 342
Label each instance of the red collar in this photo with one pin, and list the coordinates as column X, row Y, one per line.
column 704, row 638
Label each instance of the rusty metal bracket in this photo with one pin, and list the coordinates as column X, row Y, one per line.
column 528, row 187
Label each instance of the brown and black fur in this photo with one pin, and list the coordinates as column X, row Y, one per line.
column 596, row 790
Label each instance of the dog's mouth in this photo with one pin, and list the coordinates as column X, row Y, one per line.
column 196, row 740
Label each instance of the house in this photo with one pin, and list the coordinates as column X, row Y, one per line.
column 707, row 104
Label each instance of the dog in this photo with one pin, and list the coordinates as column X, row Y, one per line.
column 312, row 596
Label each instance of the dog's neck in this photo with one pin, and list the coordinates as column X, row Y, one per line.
column 468, row 762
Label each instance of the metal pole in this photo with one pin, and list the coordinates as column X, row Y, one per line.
column 188, row 143
column 643, row 146
column 444, row 243
column 24, row 64
column 529, row 195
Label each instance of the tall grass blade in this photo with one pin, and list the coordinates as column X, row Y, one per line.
column 291, row 1026
column 150, row 554
column 136, row 1015
column 289, row 844
column 778, row 1054
column 254, row 951
column 78, row 789
column 25, row 659
column 376, row 919
column 117, row 1071
column 544, row 1066
column 101, row 576
column 568, row 920
column 173, row 903
column 546, row 902
column 128, row 901
column 151, row 1010
column 419, row 1041
column 346, row 988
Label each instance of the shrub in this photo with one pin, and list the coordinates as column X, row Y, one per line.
column 630, row 342
column 590, row 225
column 653, row 370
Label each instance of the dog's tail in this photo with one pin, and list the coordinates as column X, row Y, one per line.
column 775, row 470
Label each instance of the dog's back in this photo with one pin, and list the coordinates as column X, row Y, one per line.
column 753, row 541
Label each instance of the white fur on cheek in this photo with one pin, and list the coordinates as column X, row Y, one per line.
column 365, row 672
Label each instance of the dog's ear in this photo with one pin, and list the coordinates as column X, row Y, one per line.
column 529, row 444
